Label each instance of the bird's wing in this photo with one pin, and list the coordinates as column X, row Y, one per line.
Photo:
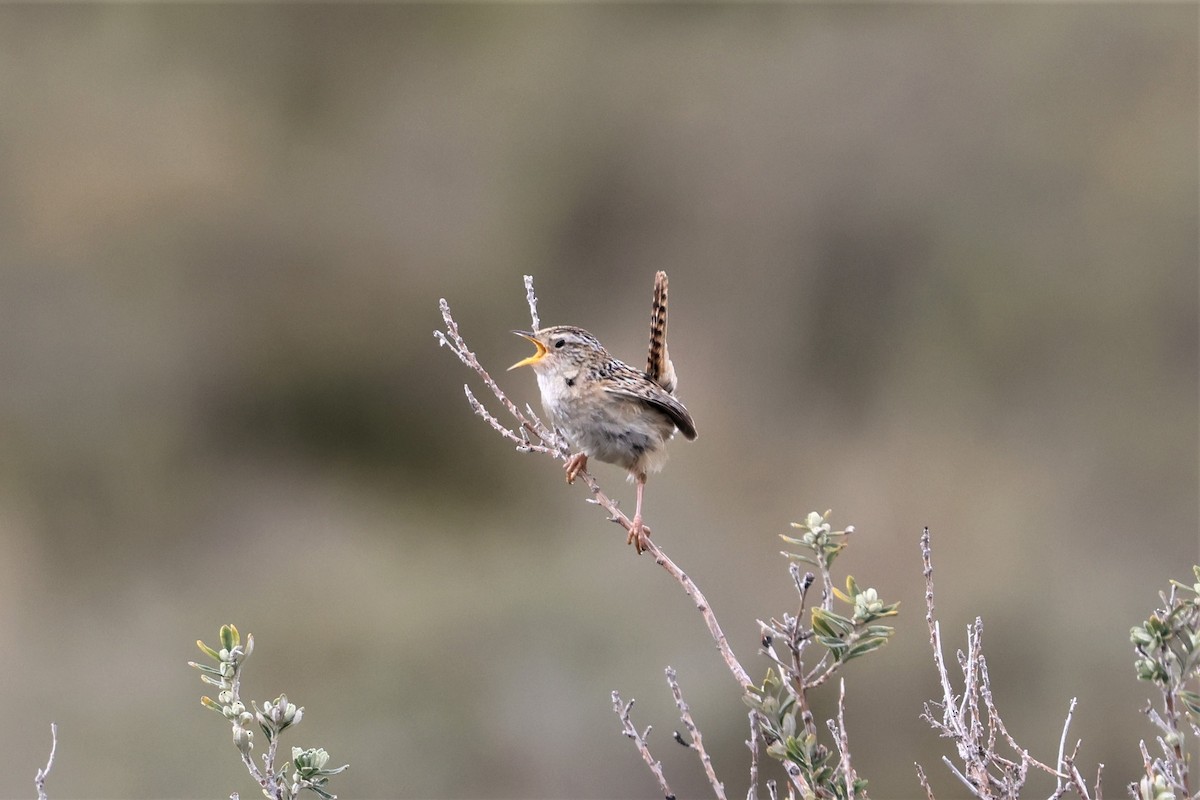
column 634, row 386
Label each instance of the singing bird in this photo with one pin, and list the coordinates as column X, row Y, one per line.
column 608, row 410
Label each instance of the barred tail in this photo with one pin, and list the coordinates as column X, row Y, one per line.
column 658, row 364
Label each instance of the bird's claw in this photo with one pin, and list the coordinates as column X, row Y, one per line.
column 639, row 536
column 575, row 465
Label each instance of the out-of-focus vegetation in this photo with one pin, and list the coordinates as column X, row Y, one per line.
column 930, row 264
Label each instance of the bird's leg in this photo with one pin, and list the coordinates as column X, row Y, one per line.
column 575, row 465
column 639, row 534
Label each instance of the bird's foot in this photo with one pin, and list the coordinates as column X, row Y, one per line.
column 639, row 535
column 575, row 465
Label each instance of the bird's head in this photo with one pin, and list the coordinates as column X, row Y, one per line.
column 559, row 346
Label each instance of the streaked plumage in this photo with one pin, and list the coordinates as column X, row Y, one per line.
column 608, row 410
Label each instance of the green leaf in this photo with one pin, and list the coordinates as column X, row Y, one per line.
column 835, row 645
column 208, row 651
column 342, row 768
column 229, row 637
column 862, row 648
column 831, row 623
column 207, row 670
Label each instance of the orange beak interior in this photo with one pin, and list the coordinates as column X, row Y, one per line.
column 536, row 357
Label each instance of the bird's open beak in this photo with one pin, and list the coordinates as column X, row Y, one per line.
column 536, row 357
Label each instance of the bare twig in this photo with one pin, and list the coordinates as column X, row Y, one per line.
column 752, row 743
column 967, row 782
column 924, row 782
column 523, row 442
column 550, row 443
column 1062, row 747
column 639, row 740
column 974, row 724
column 842, row 739
column 697, row 743
column 531, row 298
column 39, row 780
column 692, row 590
column 1076, row 782
column 452, row 339
column 995, row 722
column 935, row 631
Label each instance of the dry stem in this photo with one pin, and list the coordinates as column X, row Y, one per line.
column 842, row 738
column 697, row 743
column 639, row 740
column 752, row 743
column 973, row 722
column 39, row 780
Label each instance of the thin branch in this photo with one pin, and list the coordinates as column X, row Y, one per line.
column 531, row 298
column 523, row 442
column 965, row 781
column 1076, row 781
column 935, row 632
column 994, row 714
column 752, row 743
column 697, row 743
column 1062, row 745
column 924, row 782
column 269, row 761
column 974, row 723
column 842, row 738
column 692, row 590
column 689, row 587
column 452, row 339
column 639, row 741
column 39, row 780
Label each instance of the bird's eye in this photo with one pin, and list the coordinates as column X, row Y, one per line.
column 558, row 345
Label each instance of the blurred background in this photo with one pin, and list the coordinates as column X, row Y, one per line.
column 930, row 265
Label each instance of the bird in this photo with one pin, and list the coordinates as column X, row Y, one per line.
column 607, row 409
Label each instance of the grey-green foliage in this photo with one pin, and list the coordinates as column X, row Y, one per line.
column 1168, row 656
column 307, row 766
column 841, row 635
